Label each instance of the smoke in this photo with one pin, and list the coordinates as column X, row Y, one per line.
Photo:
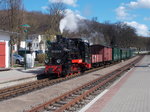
column 82, row 28
column 71, row 21
column 95, row 38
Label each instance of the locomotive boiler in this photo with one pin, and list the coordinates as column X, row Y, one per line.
column 66, row 56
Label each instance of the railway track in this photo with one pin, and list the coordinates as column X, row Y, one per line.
column 25, row 88
column 75, row 99
column 21, row 89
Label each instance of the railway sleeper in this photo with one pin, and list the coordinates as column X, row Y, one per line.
column 87, row 88
column 78, row 93
column 68, row 99
column 89, row 97
column 56, row 105
column 50, row 108
column 62, row 102
column 72, row 97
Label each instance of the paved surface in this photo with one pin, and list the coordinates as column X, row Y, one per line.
column 19, row 74
column 130, row 94
column 24, row 102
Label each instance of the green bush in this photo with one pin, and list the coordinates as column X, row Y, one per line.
column 41, row 58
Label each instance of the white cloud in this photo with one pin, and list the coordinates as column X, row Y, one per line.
column 123, row 10
column 44, row 7
column 147, row 18
column 122, row 13
column 68, row 2
column 139, row 4
column 141, row 29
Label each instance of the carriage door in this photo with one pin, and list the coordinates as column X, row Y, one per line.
column 2, row 54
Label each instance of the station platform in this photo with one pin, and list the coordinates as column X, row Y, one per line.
column 131, row 93
column 4, row 69
column 18, row 74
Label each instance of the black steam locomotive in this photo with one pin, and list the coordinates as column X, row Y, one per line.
column 66, row 56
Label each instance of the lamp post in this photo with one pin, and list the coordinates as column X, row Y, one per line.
column 25, row 29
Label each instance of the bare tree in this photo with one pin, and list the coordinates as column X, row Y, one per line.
column 3, row 18
column 13, row 16
column 38, row 21
column 55, row 11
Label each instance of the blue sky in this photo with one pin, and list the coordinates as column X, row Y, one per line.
column 133, row 12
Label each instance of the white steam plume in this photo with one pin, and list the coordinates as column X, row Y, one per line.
column 71, row 21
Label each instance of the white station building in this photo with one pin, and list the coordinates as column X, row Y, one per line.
column 4, row 49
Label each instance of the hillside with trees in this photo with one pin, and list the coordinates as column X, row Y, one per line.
column 13, row 14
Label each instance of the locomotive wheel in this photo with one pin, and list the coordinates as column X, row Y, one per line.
column 64, row 74
column 83, row 70
column 54, row 76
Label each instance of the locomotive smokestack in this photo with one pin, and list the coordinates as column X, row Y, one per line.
column 59, row 37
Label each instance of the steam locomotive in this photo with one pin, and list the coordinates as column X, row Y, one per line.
column 66, row 56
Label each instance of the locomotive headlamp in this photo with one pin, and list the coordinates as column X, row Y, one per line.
column 58, row 60
column 46, row 61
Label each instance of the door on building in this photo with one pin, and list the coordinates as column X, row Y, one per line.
column 2, row 54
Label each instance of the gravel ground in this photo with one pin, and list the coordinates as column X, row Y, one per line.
column 29, row 100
